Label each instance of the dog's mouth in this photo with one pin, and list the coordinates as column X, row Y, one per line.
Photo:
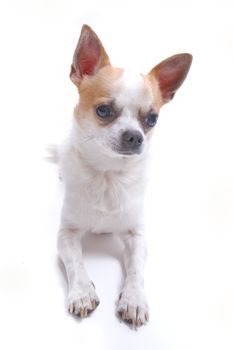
column 128, row 152
column 121, row 151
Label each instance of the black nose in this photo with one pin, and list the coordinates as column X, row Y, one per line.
column 131, row 141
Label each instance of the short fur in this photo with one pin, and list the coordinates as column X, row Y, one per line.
column 104, row 187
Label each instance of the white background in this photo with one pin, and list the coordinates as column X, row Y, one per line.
column 189, row 204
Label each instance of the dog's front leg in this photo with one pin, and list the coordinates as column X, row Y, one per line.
column 82, row 298
column 132, row 304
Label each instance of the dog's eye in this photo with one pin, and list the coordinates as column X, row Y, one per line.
column 104, row 111
column 151, row 119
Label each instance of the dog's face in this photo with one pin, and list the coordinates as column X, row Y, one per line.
column 118, row 109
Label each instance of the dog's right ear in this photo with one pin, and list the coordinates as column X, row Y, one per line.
column 89, row 56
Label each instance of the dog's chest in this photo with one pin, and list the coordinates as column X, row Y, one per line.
column 102, row 201
column 113, row 202
column 109, row 192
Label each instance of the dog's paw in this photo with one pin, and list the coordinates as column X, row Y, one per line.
column 82, row 300
column 132, row 306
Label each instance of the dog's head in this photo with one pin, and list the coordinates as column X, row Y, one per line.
column 118, row 109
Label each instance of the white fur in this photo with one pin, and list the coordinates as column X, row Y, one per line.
column 129, row 91
column 104, row 192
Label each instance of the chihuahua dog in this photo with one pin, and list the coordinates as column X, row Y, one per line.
column 103, row 164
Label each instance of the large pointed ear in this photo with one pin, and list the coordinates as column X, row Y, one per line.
column 89, row 56
column 171, row 73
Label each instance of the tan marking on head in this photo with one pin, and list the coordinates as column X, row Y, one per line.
column 95, row 90
column 153, row 84
column 151, row 90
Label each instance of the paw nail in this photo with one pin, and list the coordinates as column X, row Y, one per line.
column 81, row 313
column 124, row 315
column 71, row 308
column 85, row 312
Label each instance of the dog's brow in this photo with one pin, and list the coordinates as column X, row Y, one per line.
column 112, row 103
column 116, row 107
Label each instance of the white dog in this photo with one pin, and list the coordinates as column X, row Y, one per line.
column 103, row 164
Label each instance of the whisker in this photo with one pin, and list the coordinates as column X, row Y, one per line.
column 88, row 138
column 92, row 137
column 102, row 141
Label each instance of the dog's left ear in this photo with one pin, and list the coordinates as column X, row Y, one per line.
column 171, row 73
column 89, row 56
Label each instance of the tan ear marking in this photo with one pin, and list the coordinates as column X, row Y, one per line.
column 171, row 73
column 89, row 55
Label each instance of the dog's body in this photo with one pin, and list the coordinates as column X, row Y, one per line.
column 103, row 167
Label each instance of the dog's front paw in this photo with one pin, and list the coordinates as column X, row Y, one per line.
column 82, row 300
column 132, row 306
